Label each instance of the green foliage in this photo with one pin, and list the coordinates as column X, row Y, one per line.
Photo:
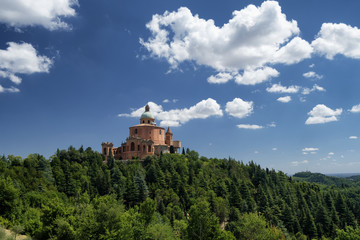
column 348, row 233
column 76, row 195
column 254, row 226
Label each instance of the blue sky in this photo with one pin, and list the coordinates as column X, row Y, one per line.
column 276, row 82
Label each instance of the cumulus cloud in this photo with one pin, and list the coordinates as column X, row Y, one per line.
column 11, row 89
column 322, row 114
column 355, row 109
column 353, row 137
column 239, row 108
column 249, row 126
column 220, row 78
column 312, row 74
column 278, row 88
column 177, row 117
column 21, row 58
column 241, row 50
column 46, row 13
column 316, row 87
column 336, row 39
column 255, row 76
column 285, row 99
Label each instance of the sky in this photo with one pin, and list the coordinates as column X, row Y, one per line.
column 274, row 82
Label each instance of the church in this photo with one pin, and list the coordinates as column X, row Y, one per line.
column 144, row 139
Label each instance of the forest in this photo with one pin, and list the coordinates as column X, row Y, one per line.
column 75, row 194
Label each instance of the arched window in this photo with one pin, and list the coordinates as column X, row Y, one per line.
column 132, row 146
column 143, row 121
column 149, row 148
column 136, row 131
column 139, row 148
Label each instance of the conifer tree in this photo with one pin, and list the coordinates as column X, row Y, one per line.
column 141, row 187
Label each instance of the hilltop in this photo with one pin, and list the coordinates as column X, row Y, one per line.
column 75, row 194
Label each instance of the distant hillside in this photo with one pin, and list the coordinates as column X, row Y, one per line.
column 327, row 180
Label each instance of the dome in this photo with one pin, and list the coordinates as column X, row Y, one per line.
column 147, row 113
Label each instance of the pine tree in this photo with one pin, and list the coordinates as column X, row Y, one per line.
column 141, row 187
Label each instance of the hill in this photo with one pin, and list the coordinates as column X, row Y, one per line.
column 326, row 180
column 76, row 195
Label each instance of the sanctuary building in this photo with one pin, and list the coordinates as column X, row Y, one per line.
column 144, row 139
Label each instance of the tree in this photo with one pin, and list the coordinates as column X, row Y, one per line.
column 253, row 226
column 8, row 196
column 203, row 224
column 17, row 230
column 141, row 186
column 348, row 233
column 147, row 210
column 160, row 231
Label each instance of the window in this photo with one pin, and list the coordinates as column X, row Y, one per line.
column 139, row 148
column 144, row 148
column 136, row 131
column 104, row 151
column 124, row 149
column 143, row 121
column 132, row 146
column 149, row 148
column 148, row 121
column 160, row 132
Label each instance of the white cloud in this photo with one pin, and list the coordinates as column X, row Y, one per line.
column 353, row 137
column 355, row 109
column 285, row 99
column 244, row 47
column 167, row 100
column 220, row 78
column 249, row 126
column 312, row 74
column 331, row 153
column 239, row 108
column 255, row 76
column 336, row 39
column 297, row 163
column 316, row 87
column 278, row 88
column 11, row 89
column 46, row 13
column 176, row 117
column 21, row 58
column 322, row 114
column 310, row 150
column 274, row 149
column 295, row 51
column 312, row 65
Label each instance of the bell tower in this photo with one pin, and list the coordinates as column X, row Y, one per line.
column 169, row 137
